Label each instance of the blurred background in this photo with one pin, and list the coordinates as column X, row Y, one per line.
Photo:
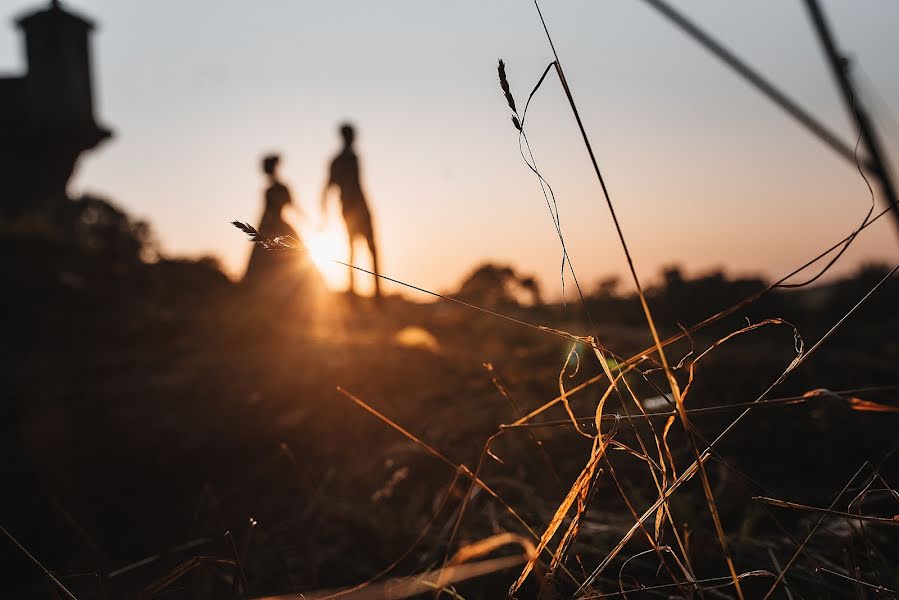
column 197, row 93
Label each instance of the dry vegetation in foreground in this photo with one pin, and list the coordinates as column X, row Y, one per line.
column 605, row 450
column 170, row 413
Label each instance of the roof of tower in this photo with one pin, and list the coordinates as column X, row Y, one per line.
column 56, row 13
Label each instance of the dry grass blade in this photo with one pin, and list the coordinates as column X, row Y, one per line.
column 877, row 588
column 661, row 470
column 869, row 406
column 675, row 389
column 685, row 476
column 812, row 532
column 505, row 393
column 718, row 316
column 180, row 571
column 593, row 380
column 706, row 454
column 241, row 574
column 44, row 569
column 485, row 452
column 564, row 395
column 574, row 526
column 851, row 402
column 585, row 488
column 854, row 402
column 659, row 550
column 580, row 485
column 776, row 564
column 406, row 587
column 421, row 536
column 155, row 557
column 487, row 545
column 668, row 454
column 462, row 469
column 891, row 522
column 700, row 585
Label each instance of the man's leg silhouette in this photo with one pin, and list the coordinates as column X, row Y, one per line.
column 352, row 261
column 370, row 238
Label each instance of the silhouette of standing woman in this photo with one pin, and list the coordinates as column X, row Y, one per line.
column 276, row 269
column 344, row 174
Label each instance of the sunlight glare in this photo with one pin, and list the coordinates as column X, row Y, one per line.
column 325, row 246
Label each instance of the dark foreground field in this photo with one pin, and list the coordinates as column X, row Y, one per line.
column 153, row 414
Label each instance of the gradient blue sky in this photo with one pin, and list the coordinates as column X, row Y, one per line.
column 703, row 170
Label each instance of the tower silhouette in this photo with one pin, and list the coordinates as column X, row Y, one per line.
column 46, row 115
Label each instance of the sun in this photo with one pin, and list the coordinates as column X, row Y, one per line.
column 325, row 246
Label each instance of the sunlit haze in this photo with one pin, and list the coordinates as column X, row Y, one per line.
column 703, row 170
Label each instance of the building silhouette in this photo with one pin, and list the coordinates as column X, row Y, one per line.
column 46, row 115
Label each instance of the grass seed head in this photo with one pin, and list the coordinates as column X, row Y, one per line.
column 504, row 83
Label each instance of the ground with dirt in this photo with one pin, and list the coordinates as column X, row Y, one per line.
column 151, row 413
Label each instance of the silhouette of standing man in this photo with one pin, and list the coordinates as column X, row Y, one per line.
column 344, row 173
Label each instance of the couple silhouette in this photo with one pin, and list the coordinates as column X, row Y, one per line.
column 283, row 269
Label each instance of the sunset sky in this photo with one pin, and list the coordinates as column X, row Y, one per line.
column 703, row 170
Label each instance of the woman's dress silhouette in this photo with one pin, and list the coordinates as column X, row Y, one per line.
column 279, row 273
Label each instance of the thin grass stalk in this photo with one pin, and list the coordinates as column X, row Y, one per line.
column 421, row 536
column 468, row 493
column 877, row 588
column 665, row 508
column 773, row 403
column 675, row 389
column 707, row 453
column 462, row 469
column 63, row 589
column 465, row 471
column 652, row 542
column 798, row 551
column 827, row 511
column 504, row 392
